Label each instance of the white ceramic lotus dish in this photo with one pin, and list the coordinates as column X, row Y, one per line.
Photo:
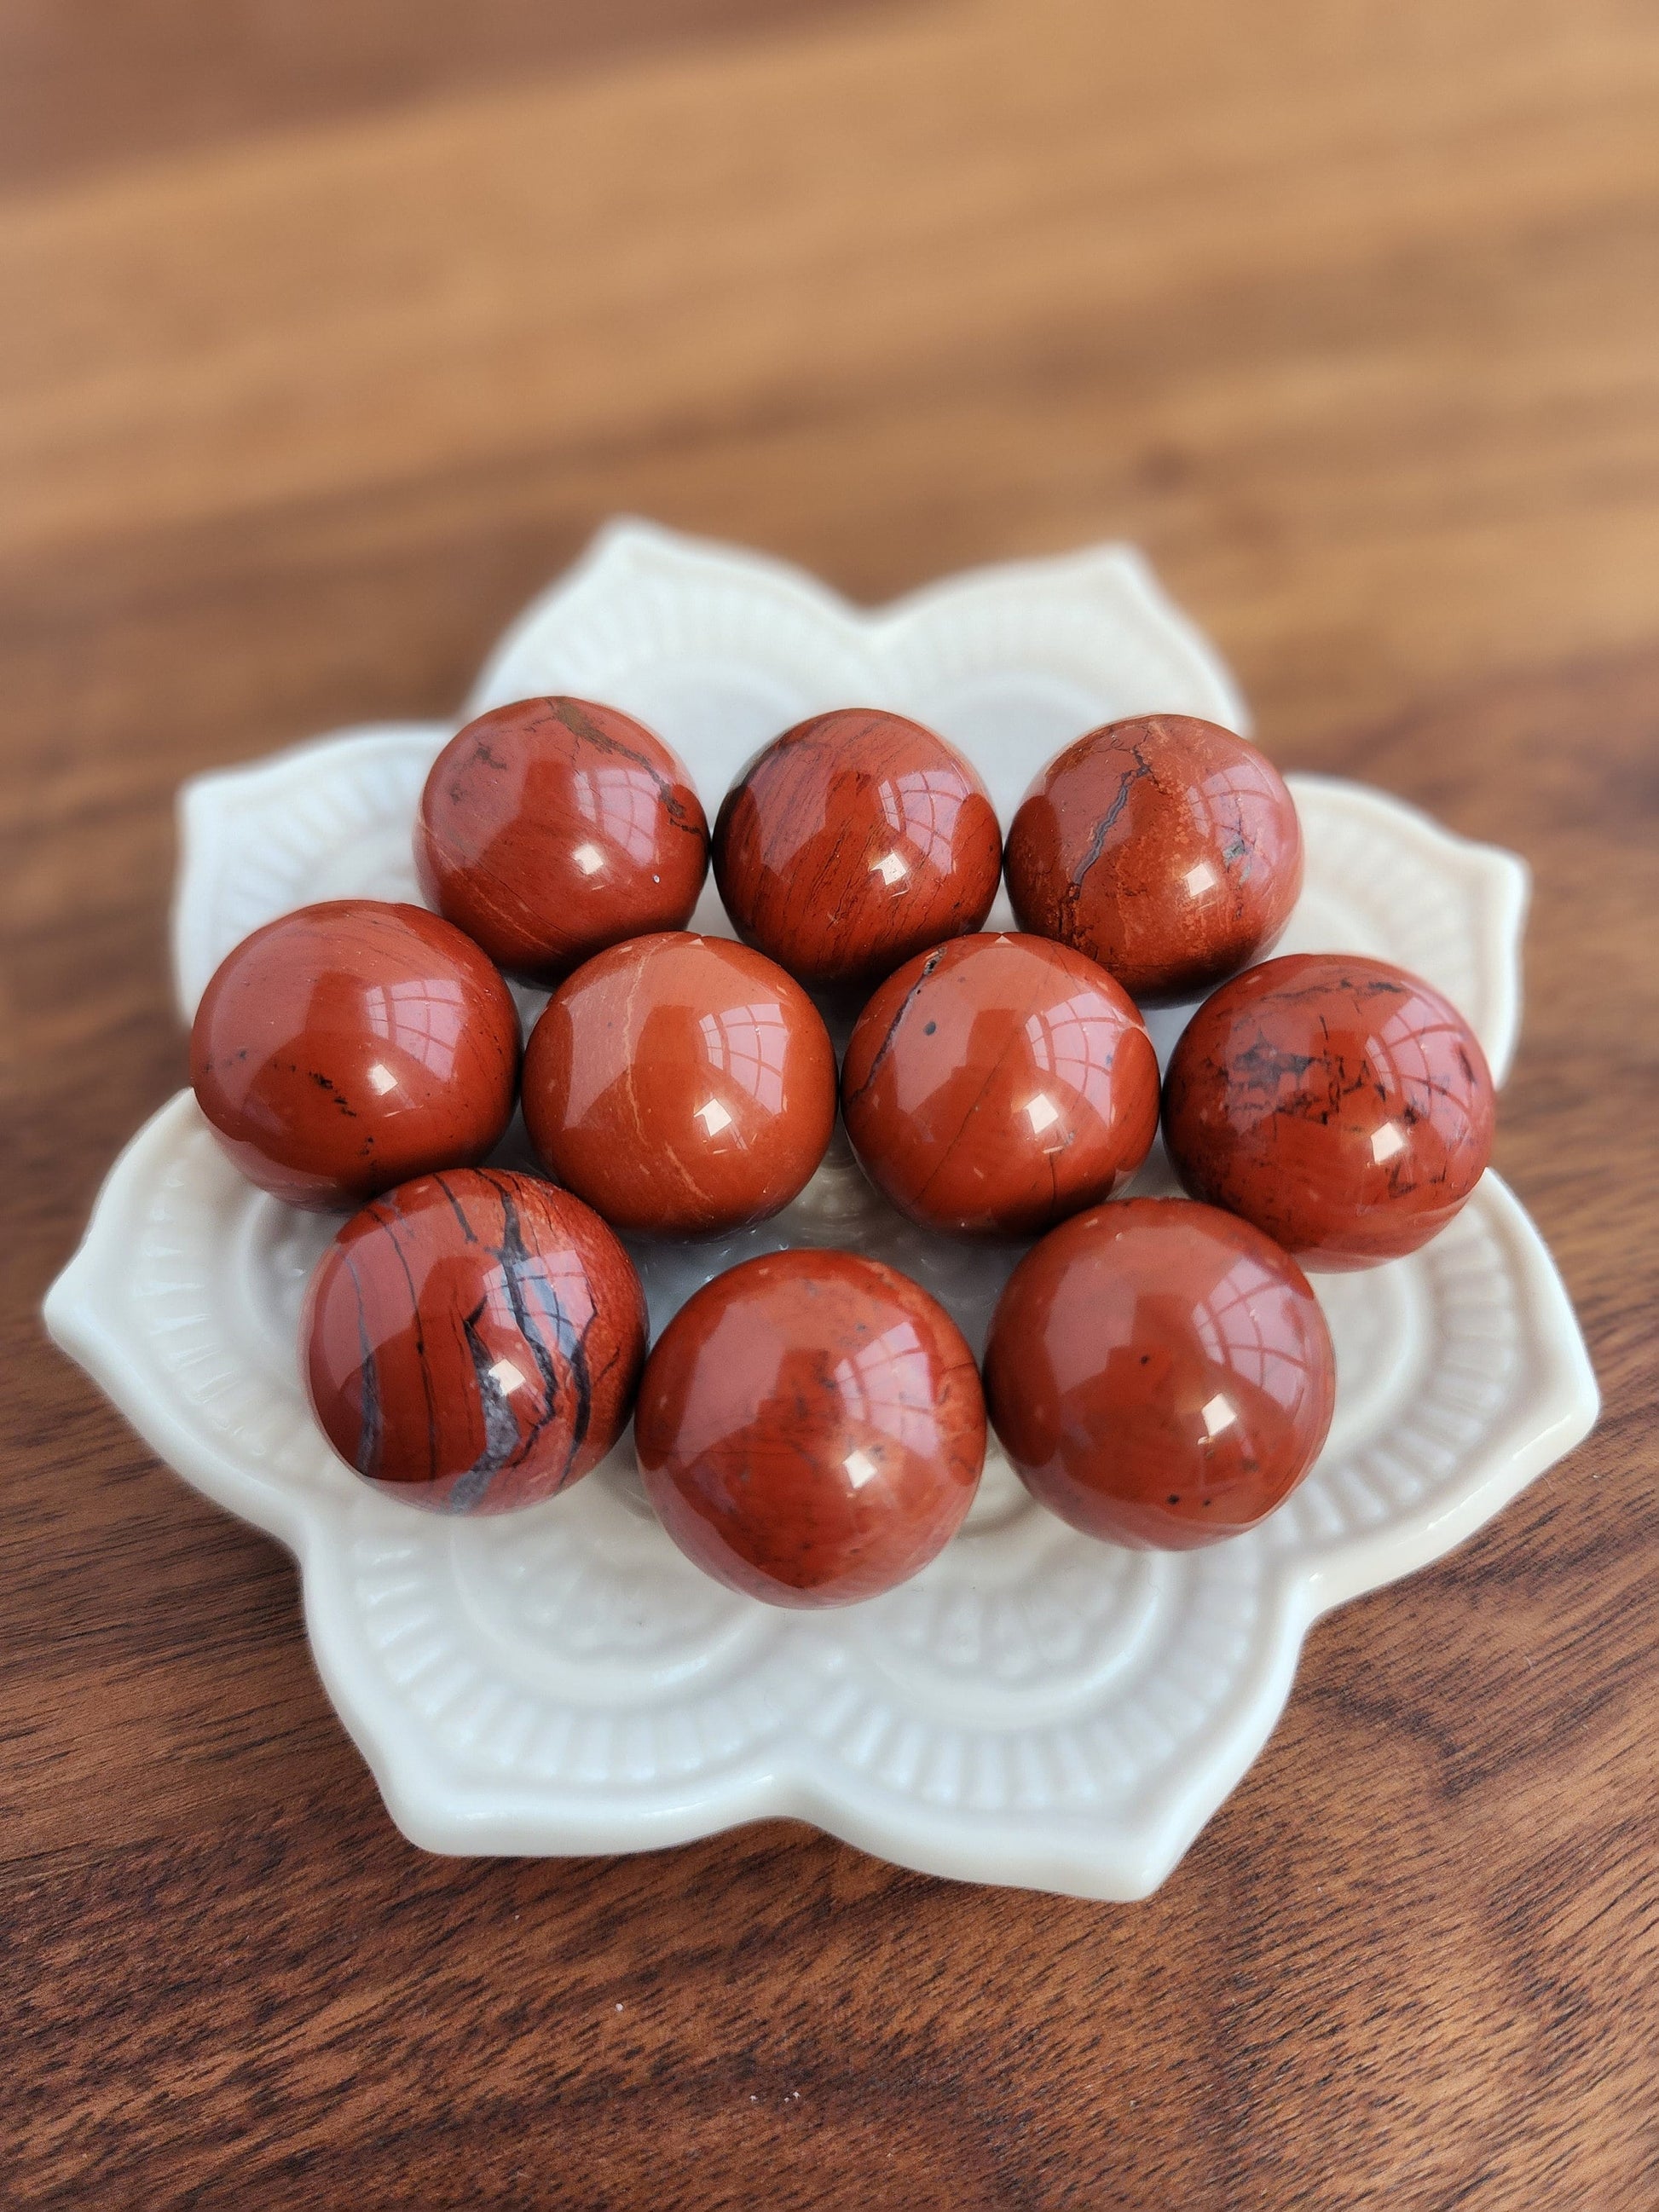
column 1036, row 1708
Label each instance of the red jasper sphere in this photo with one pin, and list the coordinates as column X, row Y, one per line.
column 348, row 1046
column 853, row 841
column 1342, row 1105
column 997, row 1083
column 1164, row 847
column 472, row 1341
column 1159, row 1373
column 553, row 828
column 810, row 1428
column 680, row 1085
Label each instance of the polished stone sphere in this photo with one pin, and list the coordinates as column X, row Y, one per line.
column 472, row 1341
column 351, row 1045
column 1166, row 849
column 553, row 828
column 851, row 842
column 1342, row 1105
column 680, row 1085
column 997, row 1083
column 810, row 1428
column 1159, row 1373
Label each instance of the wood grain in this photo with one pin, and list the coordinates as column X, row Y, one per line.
column 316, row 362
column 94, row 84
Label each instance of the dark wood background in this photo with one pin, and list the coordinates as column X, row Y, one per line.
column 330, row 332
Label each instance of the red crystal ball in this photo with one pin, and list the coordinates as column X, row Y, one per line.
column 851, row 842
column 810, row 1428
column 997, row 1083
column 1340, row 1104
column 680, row 1085
column 1165, row 848
column 553, row 828
column 351, row 1045
column 472, row 1341
column 1159, row 1373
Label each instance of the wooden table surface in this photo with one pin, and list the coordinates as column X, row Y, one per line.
column 329, row 334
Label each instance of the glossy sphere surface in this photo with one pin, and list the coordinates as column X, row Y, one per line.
column 472, row 1341
column 680, row 1085
column 1339, row 1104
column 810, row 1428
column 1159, row 1373
column 1164, row 847
column 853, row 841
column 351, row 1045
column 998, row 1084
column 551, row 828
